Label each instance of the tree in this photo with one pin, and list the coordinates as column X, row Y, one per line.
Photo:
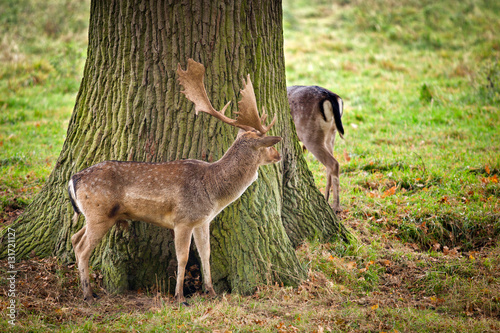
column 129, row 108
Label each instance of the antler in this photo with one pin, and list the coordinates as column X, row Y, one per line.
column 248, row 116
column 248, row 113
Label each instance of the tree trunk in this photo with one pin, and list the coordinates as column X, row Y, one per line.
column 129, row 108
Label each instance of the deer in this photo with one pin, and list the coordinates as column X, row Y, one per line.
column 183, row 195
column 317, row 114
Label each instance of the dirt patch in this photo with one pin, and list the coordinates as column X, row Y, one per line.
column 407, row 279
column 46, row 288
column 9, row 214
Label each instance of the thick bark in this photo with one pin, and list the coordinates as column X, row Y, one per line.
column 129, row 108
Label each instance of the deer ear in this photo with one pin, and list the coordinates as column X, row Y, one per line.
column 269, row 141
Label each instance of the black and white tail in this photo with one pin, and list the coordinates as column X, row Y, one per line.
column 72, row 198
column 332, row 104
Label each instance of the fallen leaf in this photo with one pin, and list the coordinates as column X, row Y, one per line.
column 413, row 245
column 436, row 300
column 385, row 262
column 389, row 192
column 487, row 169
column 351, row 265
column 453, row 252
column 347, row 158
column 444, row 200
column 374, row 307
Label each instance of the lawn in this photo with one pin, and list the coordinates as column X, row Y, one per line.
column 419, row 172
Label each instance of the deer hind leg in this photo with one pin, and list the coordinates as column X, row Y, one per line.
column 76, row 238
column 202, row 241
column 182, row 239
column 326, row 158
column 84, row 242
column 334, row 184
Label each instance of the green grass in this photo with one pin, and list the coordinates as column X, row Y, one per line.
column 42, row 54
column 419, row 165
column 421, row 84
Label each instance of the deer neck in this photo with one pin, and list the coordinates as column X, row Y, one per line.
column 234, row 172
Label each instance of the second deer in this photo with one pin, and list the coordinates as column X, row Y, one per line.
column 317, row 114
column 182, row 195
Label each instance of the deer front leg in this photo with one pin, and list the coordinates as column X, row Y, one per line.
column 182, row 239
column 202, row 241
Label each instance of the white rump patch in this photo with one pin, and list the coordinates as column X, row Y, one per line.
column 328, row 110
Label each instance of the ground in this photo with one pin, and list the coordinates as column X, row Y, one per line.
column 400, row 284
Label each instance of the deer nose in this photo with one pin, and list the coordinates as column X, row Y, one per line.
column 277, row 155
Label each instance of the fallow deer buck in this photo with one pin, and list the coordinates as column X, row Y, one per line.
column 317, row 114
column 181, row 195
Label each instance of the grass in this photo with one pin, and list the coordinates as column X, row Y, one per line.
column 421, row 111
column 41, row 62
column 419, row 171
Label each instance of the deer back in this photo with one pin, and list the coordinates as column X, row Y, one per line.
column 157, row 193
column 310, row 113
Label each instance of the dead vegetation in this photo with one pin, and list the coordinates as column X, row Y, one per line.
column 366, row 292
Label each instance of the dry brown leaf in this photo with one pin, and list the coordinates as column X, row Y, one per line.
column 385, row 262
column 347, row 158
column 444, row 199
column 389, row 192
column 351, row 265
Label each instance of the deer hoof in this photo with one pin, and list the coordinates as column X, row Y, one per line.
column 89, row 300
column 337, row 209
